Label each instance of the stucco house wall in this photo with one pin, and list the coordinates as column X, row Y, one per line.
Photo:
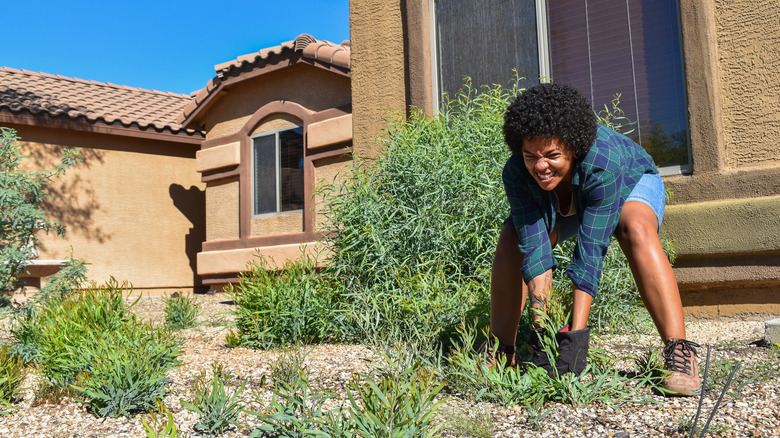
column 133, row 209
column 303, row 83
column 724, row 216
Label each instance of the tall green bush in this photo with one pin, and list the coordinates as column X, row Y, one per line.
column 413, row 231
column 22, row 217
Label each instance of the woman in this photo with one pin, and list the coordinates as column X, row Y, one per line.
column 570, row 176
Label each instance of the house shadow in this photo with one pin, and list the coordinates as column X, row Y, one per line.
column 192, row 204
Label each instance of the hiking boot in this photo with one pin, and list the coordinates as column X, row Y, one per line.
column 680, row 360
column 492, row 354
column 572, row 351
column 538, row 355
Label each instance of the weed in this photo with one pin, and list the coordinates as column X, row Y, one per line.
column 161, row 423
column 216, row 405
column 394, row 407
column 289, row 369
column 12, row 375
column 181, row 311
column 297, row 412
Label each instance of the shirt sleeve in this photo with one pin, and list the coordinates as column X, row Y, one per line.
column 601, row 199
column 531, row 220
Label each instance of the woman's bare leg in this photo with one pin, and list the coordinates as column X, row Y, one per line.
column 507, row 288
column 638, row 237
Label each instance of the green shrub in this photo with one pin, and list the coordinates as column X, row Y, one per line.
column 92, row 345
column 12, row 374
column 181, row 311
column 295, row 411
column 22, row 194
column 289, row 368
column 216, row 405
column 282, row 307
column 395, row 407
column 129, row 370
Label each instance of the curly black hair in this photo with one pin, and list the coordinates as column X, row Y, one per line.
column 551, row 110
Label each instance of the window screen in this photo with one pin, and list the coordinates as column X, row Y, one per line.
column 278, row 172
column 485, row 40
column 630, row 47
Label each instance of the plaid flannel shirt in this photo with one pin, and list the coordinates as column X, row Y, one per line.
column 601, row 183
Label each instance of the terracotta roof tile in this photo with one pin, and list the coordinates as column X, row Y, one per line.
column 23, row 91
column 337, row 55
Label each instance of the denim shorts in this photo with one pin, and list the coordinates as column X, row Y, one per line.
column 649, row 190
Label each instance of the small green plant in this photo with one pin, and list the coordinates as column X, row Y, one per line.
column 289, row 368
column 161, row 423
column 90, row 345
column 280, row 307
column 12, row 375
column 295, row 411
column 650, row 367
column 532, row 387
column 181, row 310
column 129, row 370
column 394, row 407
column 215, row 403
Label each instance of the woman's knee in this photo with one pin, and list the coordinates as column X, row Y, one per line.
column 636, row 229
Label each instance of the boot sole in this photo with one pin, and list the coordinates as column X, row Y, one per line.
column 681, row 391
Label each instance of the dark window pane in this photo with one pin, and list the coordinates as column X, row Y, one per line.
column 485, row 40
column 291, row 146
column 265, row 174
column 603, row 48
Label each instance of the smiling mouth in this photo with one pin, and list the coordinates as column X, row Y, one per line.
column 545, row 177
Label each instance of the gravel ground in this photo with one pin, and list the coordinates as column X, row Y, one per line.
column 752, row 410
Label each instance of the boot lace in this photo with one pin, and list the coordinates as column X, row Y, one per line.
column 679, row 355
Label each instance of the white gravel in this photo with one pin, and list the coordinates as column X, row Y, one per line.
column 753, row 411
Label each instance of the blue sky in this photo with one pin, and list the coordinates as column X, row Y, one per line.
column 166, row 45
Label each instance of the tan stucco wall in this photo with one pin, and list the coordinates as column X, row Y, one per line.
column 293, row 84
column 133, row 209
column 378, row 79
column 749, row 66
column 236, row 260
column 222, row 209
column 758, row 217
column 328, row 172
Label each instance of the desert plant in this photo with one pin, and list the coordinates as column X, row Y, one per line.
column 181, row 310
column 22, row 217
column 392, row 407
column 215, row 403
column 91, row 345
column 413, row 231
column 129, row 369
column 289, row 368
column 295, row 411
column 280, row 307
column 532, row 387
column 12, row 375
column 161, row 423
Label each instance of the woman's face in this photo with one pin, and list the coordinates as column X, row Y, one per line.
column 549, row 161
